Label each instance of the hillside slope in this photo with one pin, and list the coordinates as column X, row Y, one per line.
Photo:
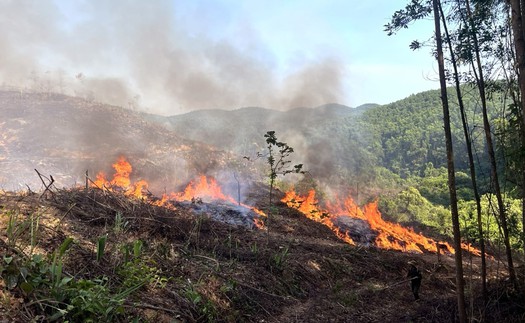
column 329, row 140
column 64, row 136
column 194, row 269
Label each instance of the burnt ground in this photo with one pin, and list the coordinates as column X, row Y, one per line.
column 208, row 271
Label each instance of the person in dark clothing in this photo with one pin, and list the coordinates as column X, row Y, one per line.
column 415, row 278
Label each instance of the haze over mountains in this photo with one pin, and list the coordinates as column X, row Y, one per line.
column 340, row 146
column 64, row 136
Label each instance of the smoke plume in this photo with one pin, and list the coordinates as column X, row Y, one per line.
column 147, row 54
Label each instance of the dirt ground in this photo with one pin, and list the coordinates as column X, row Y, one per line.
column 297, row 271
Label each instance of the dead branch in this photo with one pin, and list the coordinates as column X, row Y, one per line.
column 67, row 212
column 208, row 258
column 47, row 186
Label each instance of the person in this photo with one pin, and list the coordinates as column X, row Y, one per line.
column 415, row 278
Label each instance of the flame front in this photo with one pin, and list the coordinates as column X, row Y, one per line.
column 309, row 206
column 121, row 180
column 389, row 235
column 204, row 188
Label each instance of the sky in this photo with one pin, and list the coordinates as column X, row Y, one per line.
column 174, row 56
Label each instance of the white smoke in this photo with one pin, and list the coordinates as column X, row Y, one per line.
column 143, row 54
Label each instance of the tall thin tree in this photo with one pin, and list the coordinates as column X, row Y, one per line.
column 494, row 177
column 468, row 142
column 460, row 283
column 517, row 8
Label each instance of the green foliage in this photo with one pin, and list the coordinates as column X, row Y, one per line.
column 17, row 227
column 204, row 306
column 409, row 206
column 139, row 272
column 277, row 158
column 138, row 269
column 410, row 132
column 414, row 10
column 57, row 264
column 278, row 154
column 279, row 259
column 434, row 186
column 101, row 245
column 120, row 224
column 90, row 301
column 468, row 220
column 60, row 296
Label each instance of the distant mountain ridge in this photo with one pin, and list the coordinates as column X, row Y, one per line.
column 336, row 143
column 65, row 136
column 211, row 126
column 371, row 145
column 322, row 137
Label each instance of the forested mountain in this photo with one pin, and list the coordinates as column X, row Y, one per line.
column 330, row 140
column 372, row 146
column 409, row 132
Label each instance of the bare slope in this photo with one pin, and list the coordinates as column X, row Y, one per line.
column 64, row 136
column 194, row 269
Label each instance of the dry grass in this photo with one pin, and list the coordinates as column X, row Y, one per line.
column 221, row 273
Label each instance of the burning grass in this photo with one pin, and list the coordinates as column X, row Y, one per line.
column 198, row 192
column 194, row 269
column 185, row 257
column 372, row 229
column 349, row 222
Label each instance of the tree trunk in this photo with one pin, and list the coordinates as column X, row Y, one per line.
column 493, row 164
column 460, row 284
column 468, row 142
column 517, row 8
column 517, row 15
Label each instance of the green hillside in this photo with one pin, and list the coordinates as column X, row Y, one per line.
column 372, row 146
column 410, row 132
column 329, row 139
column 395, row 151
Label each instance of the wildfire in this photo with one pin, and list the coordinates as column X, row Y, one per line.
column 203, row 189
column 309, row 206
column 389, row 235
column 121, row 180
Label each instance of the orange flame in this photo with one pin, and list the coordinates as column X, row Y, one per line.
column 122, row 171
column 101, row 180
column 309, row 206
column 389, row 235
column 204, row 188
column 121, row 180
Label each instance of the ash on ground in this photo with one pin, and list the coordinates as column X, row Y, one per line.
column 237, row 215
column 358, row 229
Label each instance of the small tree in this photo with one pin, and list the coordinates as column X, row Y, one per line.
column 278, row 160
